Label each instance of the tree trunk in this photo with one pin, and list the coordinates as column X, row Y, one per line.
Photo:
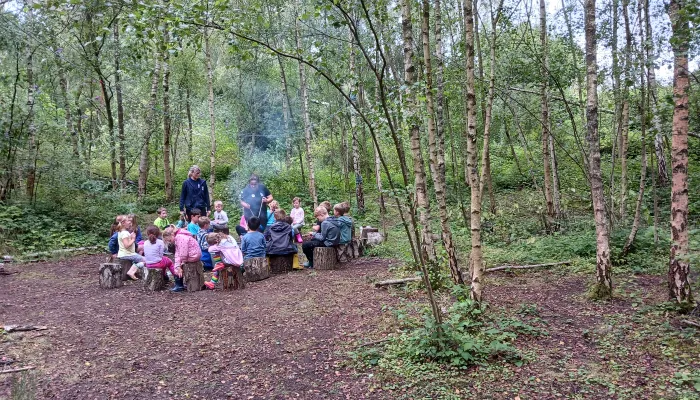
column 63, row 83
column 656, row 128
column 166, row 121
column 625, row 117
column 120, row 108
column 556, row 193
column 150, row 128
column 413, row 122
column 679, row 267
column 546, row 163
column 188, row 111
column 307, row 119
column 433, row 142
column 603, row 289
column 212, row 120
column 440, row 92
column 31, row 130
column 359, row 192
column 476, row 259
column 286, row 114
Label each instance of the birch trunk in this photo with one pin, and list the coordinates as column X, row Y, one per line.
column 31, row 124
column 679, row 267
column 413, row 122
column 120, row 108
column 144, row 160
column 307, row 120
column 625, row 117
column 440, row 92
column 656, row 128
column 476, row 261
column 433, row 142
column 359, row 192
column 544, row 104
column 286, row 115
column 212, row 120
column 603, row 289
column 188, row 111
column 166, row 122
column 63, row 84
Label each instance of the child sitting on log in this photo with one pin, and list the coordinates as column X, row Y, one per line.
column 344, row 222
column 193, row 226
column 127, row 247
column 113, row 245
column 162, row 221
column 154, row 250
column 186, row 251
column 204, row 230
column 280, row 236
column 273, row 206
column 329, row 209
column 328, row 236
column 224, row 251
column 253, row 243
column 220, row 222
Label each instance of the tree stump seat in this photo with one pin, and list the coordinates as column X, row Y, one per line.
column 256, row 269
column 325, row 258
column 111, row 275
column 125, row 265
column 281, row 264
column 193, row 276
column 231, row 278
column 348, row 251
column 154, row 280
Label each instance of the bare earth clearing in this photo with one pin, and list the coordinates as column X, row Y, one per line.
column 289, row 337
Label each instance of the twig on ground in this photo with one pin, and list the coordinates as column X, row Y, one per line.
column 504, row 267
column 397, row 281
column 9, row 371
column 373, row 343
column 690, row 323
column 23, row 328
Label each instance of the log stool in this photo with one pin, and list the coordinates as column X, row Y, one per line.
column 325, row 258
column 231, row 278
column 256, row 269
column 110, row 275
column 193, row 276
column 154, row 280
column 126, row 265
column 281, row 264
column 343, row 252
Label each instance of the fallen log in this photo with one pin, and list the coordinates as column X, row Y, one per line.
column 505, row 267
column 397, row 281
column 9, row 371
column 23, row 328
column 689, row 323
column 59, row 251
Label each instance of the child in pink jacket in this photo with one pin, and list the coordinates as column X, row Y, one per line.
column 224, row 251
column 186, row 251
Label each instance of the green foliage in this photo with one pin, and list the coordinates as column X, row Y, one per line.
column 23, row 386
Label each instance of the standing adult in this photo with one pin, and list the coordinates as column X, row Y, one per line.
column 194, row 194
column 254, row 199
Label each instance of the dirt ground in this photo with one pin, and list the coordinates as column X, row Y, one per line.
column 289, row 337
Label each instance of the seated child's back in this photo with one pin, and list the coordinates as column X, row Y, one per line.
column 280, row 240
column 253, row 243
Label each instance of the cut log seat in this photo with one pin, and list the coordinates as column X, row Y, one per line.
column 256, row 269
column 281, row 264
column 325, row 258
column 126, row 265
column 154, row 280
column 231, row 278
column 193, row 276
column 111, row 275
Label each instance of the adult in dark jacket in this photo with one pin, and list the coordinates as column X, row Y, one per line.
column 254, row 200
column 328, row 235
column 280, row 240
column 194, row 194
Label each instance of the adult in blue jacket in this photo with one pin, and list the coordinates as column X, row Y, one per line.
column 194, row 194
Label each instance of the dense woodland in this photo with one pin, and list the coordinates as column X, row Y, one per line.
column 457, row 126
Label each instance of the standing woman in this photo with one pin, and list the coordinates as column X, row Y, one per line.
column 195, row 194
column 254, row 199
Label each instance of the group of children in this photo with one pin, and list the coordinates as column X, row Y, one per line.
column 208, row 240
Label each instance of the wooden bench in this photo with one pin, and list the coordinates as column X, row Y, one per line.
column 281, row 264
column 256, row 269
column 231, row 278
column 193, row 276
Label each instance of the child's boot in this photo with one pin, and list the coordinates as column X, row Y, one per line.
column 179, row 287
column 132, row 272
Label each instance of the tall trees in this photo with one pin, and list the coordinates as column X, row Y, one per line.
column 546, row 163
column 679, row 267
column 168, row 176
column 144, row 159
column 212, row 119
column 121, row 138
column 603, row 288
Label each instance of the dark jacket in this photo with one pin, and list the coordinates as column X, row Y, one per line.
column 330, row 232
column 194, row 194
column 279, row 239
column 113, row 244
column 345, row 224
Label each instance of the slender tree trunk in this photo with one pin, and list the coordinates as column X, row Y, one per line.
column 166, row 122
column 359, row 192
column 546, row 163
column 151, row 128
column 440, row 92
column 603, row 289
column 476, row 260
column 433, row 141
column 413, row 122
column 656, row 128
column 679, row 267
column 625, row 117
column 120, row 108
column 615, row 76
column 556, row 193
column 574, row 61
column 286, row 115
column 63, row 83
column 31, row 130
column 307, row 120
column 212, row 120
column 188, row 111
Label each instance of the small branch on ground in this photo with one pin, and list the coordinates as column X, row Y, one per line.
column 689, row 323
column 23, row 328
column 373, row 343
column 397, row 281
column 505, row 267
column 9, row 371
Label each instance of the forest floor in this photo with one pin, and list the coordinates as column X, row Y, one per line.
column 300, row 335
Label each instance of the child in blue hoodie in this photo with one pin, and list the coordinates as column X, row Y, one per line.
column 344, row 222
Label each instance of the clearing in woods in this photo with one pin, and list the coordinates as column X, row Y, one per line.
column 292, row 336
